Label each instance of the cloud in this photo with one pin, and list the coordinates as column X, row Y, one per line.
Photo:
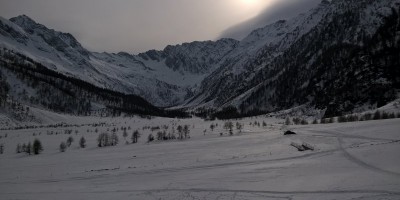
column 279, row 9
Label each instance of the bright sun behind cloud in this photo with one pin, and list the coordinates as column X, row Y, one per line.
column 254, row 3
column 250, row 1
column 252, row 7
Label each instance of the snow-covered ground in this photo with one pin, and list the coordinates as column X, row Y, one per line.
column 351, row 161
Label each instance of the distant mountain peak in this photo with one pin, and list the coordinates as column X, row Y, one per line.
column 23, row 17
column 23, row 21
column 63, row 42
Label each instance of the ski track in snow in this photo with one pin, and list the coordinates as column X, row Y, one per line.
column 232, row 194
column 340, row 136
column 362, row 163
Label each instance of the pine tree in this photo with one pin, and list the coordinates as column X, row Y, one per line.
column 100, row 140
column 212, row 126
column 239, row 126
column 125, row 134
column 180, row 132
column 186, row 131
column 161, row 135
column 150, row 138
column 70, row 140
column 264, row 124
column 229, row 126
column 24, row 148
column 37, row 147
column 19, row 148
column 103, row 140
column 135, row 136
column 63, row 147
column 82, row 142
column 28, row 149
column 114, row 139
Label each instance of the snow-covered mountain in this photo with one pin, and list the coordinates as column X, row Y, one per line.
column 164, row 78
column 314, row 59
column 340, row 56
column 252, row 54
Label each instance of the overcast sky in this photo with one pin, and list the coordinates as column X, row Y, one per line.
column 140, row 25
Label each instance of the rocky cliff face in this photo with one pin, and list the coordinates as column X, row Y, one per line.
column 195, row 57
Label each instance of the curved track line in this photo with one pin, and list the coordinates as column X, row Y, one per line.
column 362, row 163
column 341, row 135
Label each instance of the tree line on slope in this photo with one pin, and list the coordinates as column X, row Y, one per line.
column 333, row 68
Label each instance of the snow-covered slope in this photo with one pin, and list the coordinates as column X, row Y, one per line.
column 164, row 78
column 272, row 69
column 346, row 62
column 254, row 51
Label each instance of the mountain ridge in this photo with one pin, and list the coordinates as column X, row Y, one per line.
column 165, row 77
column 279, row 66
column 256, row 87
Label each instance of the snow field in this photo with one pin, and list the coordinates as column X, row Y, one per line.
column 351, row 161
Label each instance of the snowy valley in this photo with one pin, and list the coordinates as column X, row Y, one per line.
column 303, row 108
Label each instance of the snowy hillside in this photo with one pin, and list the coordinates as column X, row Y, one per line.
column 312, row 59
column 260, row 47
column 165, row 79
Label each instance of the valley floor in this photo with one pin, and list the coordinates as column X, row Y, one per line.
column 350, row 161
